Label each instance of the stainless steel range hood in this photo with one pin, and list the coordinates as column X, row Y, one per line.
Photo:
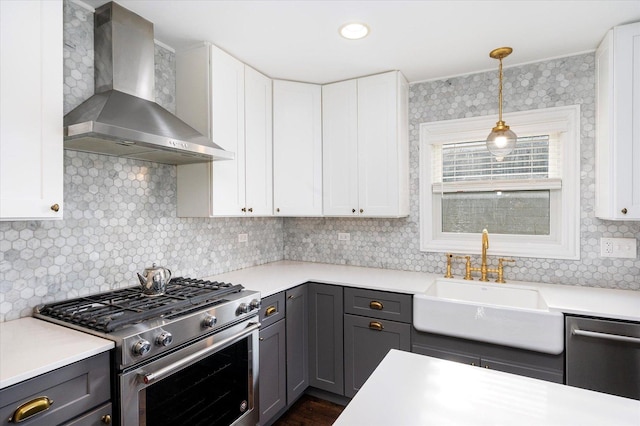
column 122, row 118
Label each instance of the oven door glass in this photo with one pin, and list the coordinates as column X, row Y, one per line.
column 211, row 392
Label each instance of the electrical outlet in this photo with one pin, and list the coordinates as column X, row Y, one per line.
column 618, row 247
column 243, row 238
column 344, row 236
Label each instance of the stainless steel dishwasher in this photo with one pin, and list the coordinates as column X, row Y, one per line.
column 603, row 355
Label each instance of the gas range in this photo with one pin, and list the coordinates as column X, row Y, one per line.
column 144, row 327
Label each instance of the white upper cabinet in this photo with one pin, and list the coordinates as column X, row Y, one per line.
column 229, row 101
column 258, row 143
column 618, row 124
column 365, row 147
column 31, row 110
column 297, row 149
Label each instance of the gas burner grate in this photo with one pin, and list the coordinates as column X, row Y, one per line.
column 112, row 310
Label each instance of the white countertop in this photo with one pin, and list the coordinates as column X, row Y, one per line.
column 30, row 347
column 410, row 389
column 274, row 277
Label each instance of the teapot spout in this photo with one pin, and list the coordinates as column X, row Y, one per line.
column 143, row 280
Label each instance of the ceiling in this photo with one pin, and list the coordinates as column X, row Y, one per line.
column 426, row 40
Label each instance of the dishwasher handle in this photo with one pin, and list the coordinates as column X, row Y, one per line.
column 605, row 336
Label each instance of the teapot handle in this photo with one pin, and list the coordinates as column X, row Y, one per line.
column 169, row 271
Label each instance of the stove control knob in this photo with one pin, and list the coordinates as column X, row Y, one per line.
column 243, row 308
column 164, row 339
column 141, row 347
column 209, row 321
column 255, row 304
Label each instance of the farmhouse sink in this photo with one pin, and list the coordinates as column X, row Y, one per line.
column 510, row 315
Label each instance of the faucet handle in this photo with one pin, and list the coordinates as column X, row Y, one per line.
column 467, row 267
column 501, row 260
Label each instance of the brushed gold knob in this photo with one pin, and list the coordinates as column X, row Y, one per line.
column 250, row 209
column 361, row 210
column 106, row 419
column 624, row 210
column 278, row 210
column 55, row 207
column 244, row 209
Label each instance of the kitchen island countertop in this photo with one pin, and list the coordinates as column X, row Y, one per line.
column 409, row 389
column 274, row 277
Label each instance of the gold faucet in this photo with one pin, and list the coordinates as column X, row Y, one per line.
column 484, row 268
column 485, row 246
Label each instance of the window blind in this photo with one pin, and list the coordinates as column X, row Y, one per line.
column 535, row 163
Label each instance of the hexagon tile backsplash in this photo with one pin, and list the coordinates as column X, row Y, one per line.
column 120, row 214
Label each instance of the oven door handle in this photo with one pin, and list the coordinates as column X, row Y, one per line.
column 163, row 372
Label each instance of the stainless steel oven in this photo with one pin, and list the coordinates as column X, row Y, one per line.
column 186, row 357
column 210, row 382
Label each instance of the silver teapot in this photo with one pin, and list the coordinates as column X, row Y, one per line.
column 154, row 281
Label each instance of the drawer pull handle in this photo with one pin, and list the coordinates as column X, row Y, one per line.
column 270, row 311
column 376, row 305
column 375, row 325
column 30, row 408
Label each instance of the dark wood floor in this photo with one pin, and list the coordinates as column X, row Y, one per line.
column 311, row 411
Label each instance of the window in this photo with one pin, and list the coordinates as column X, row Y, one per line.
column 528, row 201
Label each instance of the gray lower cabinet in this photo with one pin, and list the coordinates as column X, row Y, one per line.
column 374, row 323
column 297, row 342
column 502, row 358
column 326, row 370
column 273, row 376
column 80, row 395
column 272, row 392
column 367, row 342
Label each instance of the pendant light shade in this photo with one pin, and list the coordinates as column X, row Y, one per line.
column 502, row 140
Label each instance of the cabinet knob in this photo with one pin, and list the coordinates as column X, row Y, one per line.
column 56, row 207
column 244, row 209
column 277, row 209
column 353, row 210
column 106, row 419
column 361, row 210
column 250, row 209
column 624, row 210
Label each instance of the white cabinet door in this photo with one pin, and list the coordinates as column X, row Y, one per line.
column 228, row 131
column 31, row 129
column 340, row 148
column 618, row 124
column 258, row 143
column 382, row 145
column 365, row 147
column 297, row 149
column 237, row 114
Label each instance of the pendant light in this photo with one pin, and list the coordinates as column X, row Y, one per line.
column 501, row 141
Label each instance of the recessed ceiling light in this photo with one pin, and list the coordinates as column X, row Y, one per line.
column 354, row 30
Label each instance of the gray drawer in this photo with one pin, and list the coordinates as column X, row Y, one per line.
column 272, row 309
column 378, row 304
column 100, row 416
column 74, row 390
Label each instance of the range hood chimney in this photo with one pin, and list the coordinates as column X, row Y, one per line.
column 122, row 119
